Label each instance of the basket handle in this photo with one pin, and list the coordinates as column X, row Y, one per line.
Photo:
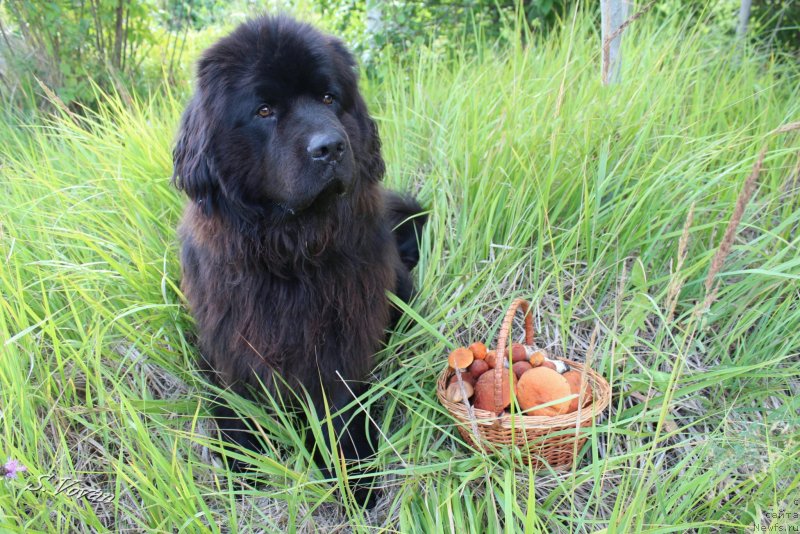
column 502, row 347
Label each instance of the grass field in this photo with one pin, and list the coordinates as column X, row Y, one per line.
column 542, row 184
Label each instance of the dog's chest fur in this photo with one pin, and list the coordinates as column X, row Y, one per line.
column 255, row 318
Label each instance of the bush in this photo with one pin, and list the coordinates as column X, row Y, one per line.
column 375, row 26
column 774, row 24
column 777, row 23
column 68, row 45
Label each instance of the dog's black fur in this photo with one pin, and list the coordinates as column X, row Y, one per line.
column 289, row 243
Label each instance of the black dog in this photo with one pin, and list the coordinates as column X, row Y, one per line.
column 289, row 243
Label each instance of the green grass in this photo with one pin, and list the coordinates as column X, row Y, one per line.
column 542, row 184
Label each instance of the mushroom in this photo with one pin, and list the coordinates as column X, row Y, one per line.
column 491, row 356
column 578, row 387
column 560, row 365
column 548, row 364
column 520, row 368
column 478, row 350
column 536, row 357
column 518, row 353
column 539, row 386
column 460, row 358
column 454, row 393
column 477, row 368
column 484, row 390
column 465, row 377
column 555, row 365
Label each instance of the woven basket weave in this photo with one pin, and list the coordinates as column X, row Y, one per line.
column 542, row 440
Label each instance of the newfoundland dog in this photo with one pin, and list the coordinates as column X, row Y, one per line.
column 289, row 243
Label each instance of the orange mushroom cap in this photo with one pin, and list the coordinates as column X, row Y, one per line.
column 536, row 357
column 541, row 385
column 484, row 390
column 478, row 350
column 576, row 385
column 460, row 358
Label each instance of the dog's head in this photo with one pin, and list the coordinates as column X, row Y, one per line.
column 276, row 124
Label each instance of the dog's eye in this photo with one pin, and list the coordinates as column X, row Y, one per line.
column 327, row 99
column 265, row 111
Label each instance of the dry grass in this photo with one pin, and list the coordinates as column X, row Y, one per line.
column 724, row 249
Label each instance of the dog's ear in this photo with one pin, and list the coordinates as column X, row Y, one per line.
column 193, row 164
column 372, row 166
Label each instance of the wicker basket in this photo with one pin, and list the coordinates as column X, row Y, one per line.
column 542, row 440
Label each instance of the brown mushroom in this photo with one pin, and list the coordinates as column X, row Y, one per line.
column 576, row 385
column 484, row 390
column 478, row 350
column 518, row 353
column 548, row 365
column 460, row 358
column 520, row 368
column 477, row 368
column 539, row 386
column 491, row 358
column 454, row 393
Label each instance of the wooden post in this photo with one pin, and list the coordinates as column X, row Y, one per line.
column 116, row 58
column 612, row 15
column 744, row 19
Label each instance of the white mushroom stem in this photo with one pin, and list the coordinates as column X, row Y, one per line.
column 530, row 350
column 561, row 367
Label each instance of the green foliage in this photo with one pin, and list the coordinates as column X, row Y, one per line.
column 197, row 13
column 70, row 45
column 134, row 45
column 774, row 24
column 443, row 24
column 777, row 23
column 449, row 25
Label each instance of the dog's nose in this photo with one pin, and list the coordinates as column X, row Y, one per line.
column 327, row 147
